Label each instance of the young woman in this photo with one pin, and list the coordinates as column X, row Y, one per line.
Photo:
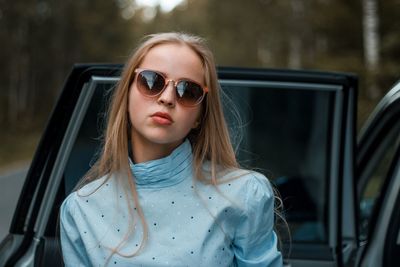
column 167, row 190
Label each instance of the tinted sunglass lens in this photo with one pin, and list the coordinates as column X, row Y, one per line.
column 189, row 93
column 150, row 82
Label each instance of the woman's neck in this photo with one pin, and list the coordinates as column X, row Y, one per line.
column 143, row 150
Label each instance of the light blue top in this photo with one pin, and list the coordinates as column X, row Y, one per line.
column 189, row 223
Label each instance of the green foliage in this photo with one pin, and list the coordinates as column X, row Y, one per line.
column 41, row 40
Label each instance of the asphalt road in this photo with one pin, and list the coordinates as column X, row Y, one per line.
column 10, row 187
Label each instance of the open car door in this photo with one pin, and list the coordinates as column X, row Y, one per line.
column 378, row 184
column 296, row 127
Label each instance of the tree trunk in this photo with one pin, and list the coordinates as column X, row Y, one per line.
column 371, row 46
column 19, row 76
column 295, row 40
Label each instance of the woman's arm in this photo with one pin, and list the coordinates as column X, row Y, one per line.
column 73, row 249
column 255, row 242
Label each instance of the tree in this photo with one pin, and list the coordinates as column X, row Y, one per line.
column 371, row 46
column 41, row 40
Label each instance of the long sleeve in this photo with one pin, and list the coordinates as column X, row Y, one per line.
column 255, row 242
column 73, row 249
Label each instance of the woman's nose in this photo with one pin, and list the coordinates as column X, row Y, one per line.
column 167, row 97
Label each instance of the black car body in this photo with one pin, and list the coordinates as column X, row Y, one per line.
column 341, row 194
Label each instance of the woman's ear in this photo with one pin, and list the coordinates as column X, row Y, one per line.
column 200, row 119
column 196, row 124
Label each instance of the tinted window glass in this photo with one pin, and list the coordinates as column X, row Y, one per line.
column 88, row 141
column 286, row 136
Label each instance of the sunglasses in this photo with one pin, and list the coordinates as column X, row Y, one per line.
column 152, row 83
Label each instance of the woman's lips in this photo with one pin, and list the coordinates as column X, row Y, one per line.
column 162, row 118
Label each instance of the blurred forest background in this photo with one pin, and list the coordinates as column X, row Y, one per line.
column 41, row 40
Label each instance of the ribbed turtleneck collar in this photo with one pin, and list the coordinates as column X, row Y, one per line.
column 166, row 171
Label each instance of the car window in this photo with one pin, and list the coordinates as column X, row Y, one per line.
column 87, row 144
column 284, row 132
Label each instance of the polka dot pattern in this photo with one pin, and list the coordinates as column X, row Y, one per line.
column 190, row 223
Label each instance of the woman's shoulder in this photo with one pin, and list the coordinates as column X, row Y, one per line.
column 250, row 182
column 94, row 189
column 243, row 185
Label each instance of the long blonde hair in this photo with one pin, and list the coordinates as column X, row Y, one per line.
column 210, row 141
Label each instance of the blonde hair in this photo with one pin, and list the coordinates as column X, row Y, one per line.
column 208, row 142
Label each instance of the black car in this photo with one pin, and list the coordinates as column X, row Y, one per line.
column 340, row 190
